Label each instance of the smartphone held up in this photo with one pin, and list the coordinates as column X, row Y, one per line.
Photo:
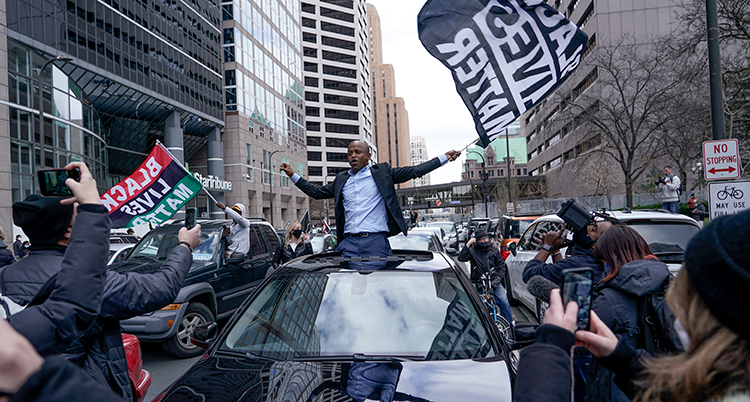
column 190, row 216
column 52, row 181
column 577, row 287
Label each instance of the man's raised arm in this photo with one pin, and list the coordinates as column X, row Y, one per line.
column 406, row 173
column 317, row 192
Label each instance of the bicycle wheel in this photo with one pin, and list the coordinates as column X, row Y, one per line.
column 722, row 195
column 506, row 330
column 737, row 194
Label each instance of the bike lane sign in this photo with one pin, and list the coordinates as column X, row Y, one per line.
column 728, row 198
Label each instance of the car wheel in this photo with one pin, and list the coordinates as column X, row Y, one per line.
column 511, row 300
column 179, row 345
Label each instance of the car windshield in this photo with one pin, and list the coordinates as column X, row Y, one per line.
column 448, row 227
column 378, row 313
column 519, row 227
column 413, row 241
column 666, row 238
column 158, row 245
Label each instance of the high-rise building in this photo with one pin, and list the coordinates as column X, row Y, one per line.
column 389, row 116
column 554, row 146
column 116, row 76
column 262, row 51
column 337, row 84
column 419, row 155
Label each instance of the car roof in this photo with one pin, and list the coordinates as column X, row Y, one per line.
column 209, row 223
column 408, row 260
column 627, row 216
column 522, row 217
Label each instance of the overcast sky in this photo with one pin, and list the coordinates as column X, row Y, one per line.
column 436, row 111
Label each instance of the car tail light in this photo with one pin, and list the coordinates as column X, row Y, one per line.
column 505, row 254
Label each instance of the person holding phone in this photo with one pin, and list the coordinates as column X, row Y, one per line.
column 238, row 233
column 295, row 245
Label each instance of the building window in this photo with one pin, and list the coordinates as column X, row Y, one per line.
column 314, row 156
column 340, row 100
column 308, row 22
column 341, row 114
column 308, row 8
column 338, row 15
column 335, row 28
column 249, row 161
column 315, row 171
column 341, row 3
column 311, row 67
column 312, row 111
column 229, row 78
column 313, row 141
column 228, row 36
column 336, row 157
column 228, row 54
column 284, row 178
column 265, row 168
column 311, row 82
column 227, row 12
column 309, row 52
column 312, row 96
column 339, row 57
column 340, row 86
column 313, row 126
column 309, row 37
column 340, row 43
column 341, row 129
column 337, row 142
column 339, row 71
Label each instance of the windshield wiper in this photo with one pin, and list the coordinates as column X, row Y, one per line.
column 145, row 256
column 360, row 357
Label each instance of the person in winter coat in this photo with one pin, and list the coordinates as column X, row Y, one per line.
column 17, row 247
column 72, row 305
column 485, row 258
column 709, row 298
column 28, row 377
column 294, row 245
column 238, row 234
column 6, row 256
column 669, row 185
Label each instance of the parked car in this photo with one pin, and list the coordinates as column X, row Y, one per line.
column 316, row 327
column 439, row 232
column 215, row 286
column 140, row 378
column 476, row 223
column 451, row 232
column 323, row 243
column 118, row 251
column 666, row 234
column 509, row 230
column 122, row 238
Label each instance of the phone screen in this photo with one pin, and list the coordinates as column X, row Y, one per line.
column 52, row 182
column 577, row 285
column 190, row 214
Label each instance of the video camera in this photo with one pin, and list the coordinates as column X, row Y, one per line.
column 574, row 215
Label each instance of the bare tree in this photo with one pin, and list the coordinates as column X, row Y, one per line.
column 636, row 98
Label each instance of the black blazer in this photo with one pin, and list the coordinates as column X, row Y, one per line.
column 385, row 178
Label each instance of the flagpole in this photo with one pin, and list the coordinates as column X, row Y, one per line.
column 185, row 169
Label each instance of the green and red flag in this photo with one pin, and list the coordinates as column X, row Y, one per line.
column 153, row 193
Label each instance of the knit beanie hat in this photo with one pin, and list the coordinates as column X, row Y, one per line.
column 717, row 264
column 43, row 219
column 480, row 233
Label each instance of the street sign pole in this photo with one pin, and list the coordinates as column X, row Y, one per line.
column 714, row 66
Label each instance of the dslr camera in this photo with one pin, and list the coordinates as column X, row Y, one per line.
column 660, row 181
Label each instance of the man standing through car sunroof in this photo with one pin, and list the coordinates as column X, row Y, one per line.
column 367, row 211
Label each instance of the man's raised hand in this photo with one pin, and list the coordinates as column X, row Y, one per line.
column 452, row 155
column 84, row 191
column 284, row 167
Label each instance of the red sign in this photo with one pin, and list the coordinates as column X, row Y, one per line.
column 721, row 160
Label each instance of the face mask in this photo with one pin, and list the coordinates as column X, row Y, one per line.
column 483, row 245
column 297, row 233
column 682, row 334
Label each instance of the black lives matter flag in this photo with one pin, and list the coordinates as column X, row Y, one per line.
column 505, row 55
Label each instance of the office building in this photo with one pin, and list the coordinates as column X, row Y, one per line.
column 262, row 55
column 389, row 116
column 419, row 155
column 336, row 82
column 554, row 146
column 129, row 73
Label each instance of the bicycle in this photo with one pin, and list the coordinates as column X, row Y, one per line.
column 485, row 293
column 730, row 191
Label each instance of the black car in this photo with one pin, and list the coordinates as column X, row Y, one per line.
column 214, row 288
column 318, row 330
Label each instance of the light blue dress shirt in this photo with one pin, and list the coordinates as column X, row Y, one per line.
column 364, row 207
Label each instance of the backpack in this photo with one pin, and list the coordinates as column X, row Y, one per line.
column 655, row 330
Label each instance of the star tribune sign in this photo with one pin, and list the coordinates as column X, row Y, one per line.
column 721, row 160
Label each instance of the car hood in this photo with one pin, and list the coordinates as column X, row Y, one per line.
column 218, row 378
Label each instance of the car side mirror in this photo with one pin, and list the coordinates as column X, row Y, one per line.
column 525, row 335
column 512, row 248
column 204, row 335
column 236, row 258
column 451, row 251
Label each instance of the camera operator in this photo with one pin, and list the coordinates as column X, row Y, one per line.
column 669, row 186
column 486, row 259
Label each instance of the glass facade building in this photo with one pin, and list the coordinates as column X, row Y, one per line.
column 264, row 106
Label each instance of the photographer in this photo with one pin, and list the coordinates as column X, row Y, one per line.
column 670, row 194
column 486, row 259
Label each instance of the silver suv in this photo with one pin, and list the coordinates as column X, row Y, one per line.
column 667, row 235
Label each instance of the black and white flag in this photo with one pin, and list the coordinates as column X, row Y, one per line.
column 505, row 55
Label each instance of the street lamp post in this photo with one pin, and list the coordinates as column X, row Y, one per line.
column 484, row 185
column 270, row 179
column 41, row 105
